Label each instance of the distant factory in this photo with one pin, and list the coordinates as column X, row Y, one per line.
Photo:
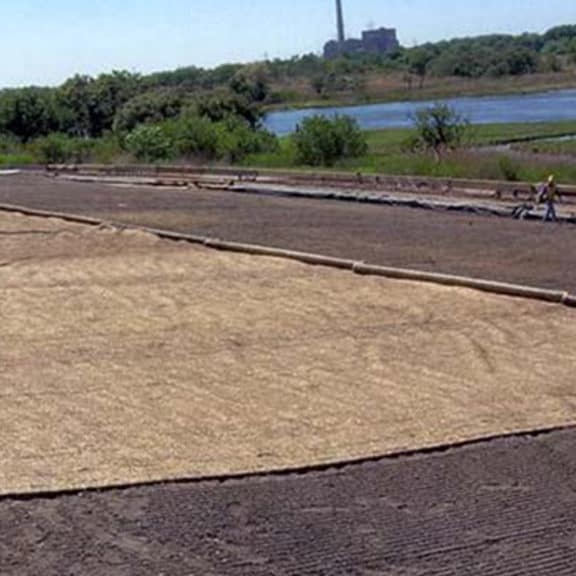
column 380, row 41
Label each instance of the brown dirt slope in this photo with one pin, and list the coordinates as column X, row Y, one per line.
column 486, row 247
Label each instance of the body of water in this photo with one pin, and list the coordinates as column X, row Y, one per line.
column 541, row 107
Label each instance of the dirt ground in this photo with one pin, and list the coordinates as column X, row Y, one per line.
column 503, row 508
column 487, row 247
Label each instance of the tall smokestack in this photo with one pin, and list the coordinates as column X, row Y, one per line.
column 341, row 34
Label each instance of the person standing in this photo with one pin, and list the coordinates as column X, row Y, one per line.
column 550, row 196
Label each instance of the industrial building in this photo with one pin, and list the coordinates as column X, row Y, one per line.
column 380, row 41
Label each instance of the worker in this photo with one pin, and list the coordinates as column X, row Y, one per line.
column 549, row 196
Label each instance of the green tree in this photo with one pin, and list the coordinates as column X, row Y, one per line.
column 91, row 104
column 419, row 60
column 318, row 84
column 567, row 31
column 520, row 61
column 572, row 51
column 188, row 78
column 75, row 96
column 28, row 112
column 220, row 76
column 220, row 106
column 321, row 141
column 252, row 83
column 148, row 108
column 439, row 128
column 107, row 94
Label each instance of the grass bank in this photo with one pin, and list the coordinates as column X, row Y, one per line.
column 477, row 135
column 565, row 148
column 388, row 153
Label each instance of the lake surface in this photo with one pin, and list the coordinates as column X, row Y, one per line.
column 541, row 107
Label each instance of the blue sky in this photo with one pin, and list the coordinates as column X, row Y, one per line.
column 46, row 41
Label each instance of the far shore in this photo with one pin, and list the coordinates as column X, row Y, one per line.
column 381, row 89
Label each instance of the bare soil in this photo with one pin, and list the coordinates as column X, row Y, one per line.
column 532, row 253
column 130, row 359
column 502, row 508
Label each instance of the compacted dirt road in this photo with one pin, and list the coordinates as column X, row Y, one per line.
column 481, row 246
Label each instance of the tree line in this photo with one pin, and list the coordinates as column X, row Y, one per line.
column 89, row 107
column 223, row 119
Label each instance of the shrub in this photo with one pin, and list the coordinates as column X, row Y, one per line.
column 8, row 144
column 231, row 139
column 193, row 135
column 52, row 149
column 106, row 150
column 236, row 140
column 59, row 148
column 509, row 169
column 149, row 144
column 321, row 141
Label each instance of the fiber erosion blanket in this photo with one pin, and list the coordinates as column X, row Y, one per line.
column 128, row 359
